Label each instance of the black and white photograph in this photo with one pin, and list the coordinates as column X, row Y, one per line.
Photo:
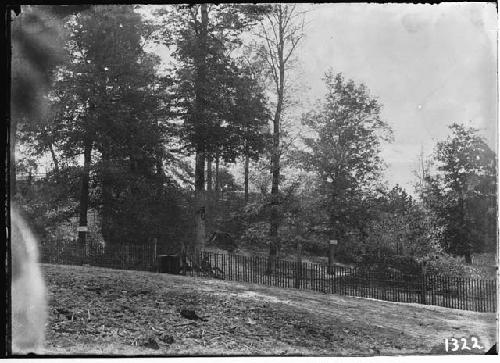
column 251, row 179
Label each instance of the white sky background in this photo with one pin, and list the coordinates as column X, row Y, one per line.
column 429, row 66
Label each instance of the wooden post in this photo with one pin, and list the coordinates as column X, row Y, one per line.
column 298, row 265
column 155, row 257
column 331, row 255
column 424, row 286
column 82, row 230
column 423, row 299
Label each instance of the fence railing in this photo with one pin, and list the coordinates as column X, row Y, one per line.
column 450, row 292
column 125, row 257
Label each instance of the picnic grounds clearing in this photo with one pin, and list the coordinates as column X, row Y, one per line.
column 104, row 311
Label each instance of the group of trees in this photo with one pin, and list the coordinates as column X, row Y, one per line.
column 120, row 132
column 106, row 104
column 135, row 128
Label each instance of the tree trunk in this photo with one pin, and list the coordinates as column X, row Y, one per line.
column 466, row 248
column 468, row 257
column 209, row 175
column 246, row 177
column 106, row 197
column 275, row 158
column 54, row 157
column 200, row 205
column 217, row 181
column 84, row 196
column 160, row 178
column 12, row 150
column 209, row 197
column 199, row 104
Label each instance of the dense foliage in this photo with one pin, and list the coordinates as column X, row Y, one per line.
column 345, row 154
column 463, row 192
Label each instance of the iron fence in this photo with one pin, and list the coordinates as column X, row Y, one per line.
column 451, row 292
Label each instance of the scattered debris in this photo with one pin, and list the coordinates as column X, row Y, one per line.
column 162, row 312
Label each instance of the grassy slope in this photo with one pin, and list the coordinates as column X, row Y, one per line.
column 103, row 311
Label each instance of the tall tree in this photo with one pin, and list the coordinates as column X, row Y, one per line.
column 463, row 193
column 204, row 36
column 250, row 118
column 345, row 153
column 282, row 30
column 112, row 103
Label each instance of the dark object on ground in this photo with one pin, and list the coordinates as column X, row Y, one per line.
column 166, row 338
column 150, row 343
column 169, row 264
column 205, row 266
column 375, row 350
column 493, row 350
column 191, row 315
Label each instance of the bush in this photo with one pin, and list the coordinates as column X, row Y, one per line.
column 390, row 262
column 256, row 236
column 222, row 240
column 444, row 264
column 315, row 247
column 350, row 251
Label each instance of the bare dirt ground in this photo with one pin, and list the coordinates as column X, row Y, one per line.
column 113, row 312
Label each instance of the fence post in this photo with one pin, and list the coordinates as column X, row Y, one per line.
column 331, row 255
column 155, row 253
column 298, row 266
column 82, row 237
column 494, row 294
column 424, row 289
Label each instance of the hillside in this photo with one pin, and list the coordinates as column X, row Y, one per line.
column 103, row 311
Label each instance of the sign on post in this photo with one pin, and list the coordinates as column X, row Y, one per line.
column 82, row 229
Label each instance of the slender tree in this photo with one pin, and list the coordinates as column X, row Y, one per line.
column 282, row 30
column 250, row 118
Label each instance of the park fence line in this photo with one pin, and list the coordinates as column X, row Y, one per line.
column 451, row 292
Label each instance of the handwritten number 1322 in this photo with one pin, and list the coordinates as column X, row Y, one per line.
column 452, row 345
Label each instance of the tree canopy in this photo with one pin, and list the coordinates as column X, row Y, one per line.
column 463, row 192
column 345, row 151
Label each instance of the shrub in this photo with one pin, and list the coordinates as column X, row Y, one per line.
column 256, row 236
column 315, row 247
column 443, row 264
column 222, row 240
column 389, row 262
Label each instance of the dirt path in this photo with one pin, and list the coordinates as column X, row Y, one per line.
column 103, row 311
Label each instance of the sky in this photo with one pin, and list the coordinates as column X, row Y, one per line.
column 428, row 65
